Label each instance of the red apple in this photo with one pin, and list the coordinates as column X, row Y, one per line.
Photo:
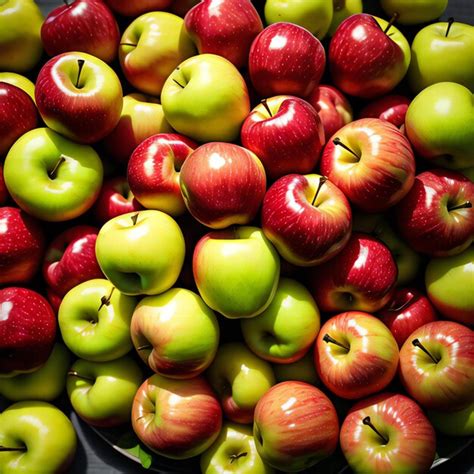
column 137, row 7
column 3, row 188
column 391, row 108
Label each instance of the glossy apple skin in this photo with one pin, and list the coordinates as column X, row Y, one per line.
column 391, row 108
column 424, row 219
column 295, row 426
column 286, row 59
column 361, row 277
column 19, row 81
column 408, row 310
column 384, row 172
column 290, row 140
column 83, row 25
column 448, row 384
column 22, row 244
column 414, row 13
column 225, row 27
column 137, row 7
column 457, row 423
column 3, row 188
column 412, row 439
column 177, row 419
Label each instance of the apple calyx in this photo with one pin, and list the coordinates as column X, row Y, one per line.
column 322, row 180
column 464, row 205
column 392, row 20
column 6, row 449
column 366, row 421
column 327, row 338
column 417, row 343
column 73, row 373
column 337, row 142
column 450, row 23
column 264, row 103
column 134, row 218
column 80, row 64
column 105, row 300
column 234, row 457
column 53, row 172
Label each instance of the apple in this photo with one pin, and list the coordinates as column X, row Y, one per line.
column 286, row 59
column 51, row 177
column 3, row 188
column 19, row 81
column 412, row 13
column 137, row 7
column 343, row 9
column 457, row 423
column 392, row 108
column 302, row 370
column 236, row 271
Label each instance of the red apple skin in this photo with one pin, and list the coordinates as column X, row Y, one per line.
column 224, row 27
column 3, row 189
column 27, row 330
column 361, row 277
column 83, row 25
column 408, row 310
column 290, row 141
column 22, row 245
column 137, row 7
column 54, row 299
column 391, row 108
column 286, row 59
column 424, row 219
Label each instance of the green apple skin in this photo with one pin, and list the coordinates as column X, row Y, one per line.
column 92, row 329
column 435, row 124
column 454, row 423
column 141, row 252
column 182, row 331
column 236, row 272
column 102, row 393
column 206, row 99
column 20, row 39
column 285, row 331
column 234, row 451
column 436, row 57
column 302, row 370
column 47, row 433
column 19, row 81
column 315, row 15
column 344, row 9
column 414, row 12
column 76, row 184
column 468, row 172
column 449, row 283
column 45, row 384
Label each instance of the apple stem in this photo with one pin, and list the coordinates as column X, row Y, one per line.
column 80, row 63
column 322, row 180
column 328, row 338
column 73, row 373
column 366, row 421
column 417, row 343
column 338, row 5
column 403, row 305
column 264, row 103
column 464, row 205
column 52, row 173
column 4, row 449
column 450, row 23
column 337, row 142
column 394, row 18
column 234, row 457
column 134, row 218
column 105, row 300
column 144, row 347
column 128, row 44
column 179, row 84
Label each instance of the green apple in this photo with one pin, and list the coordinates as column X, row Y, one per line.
column 442, row 52
column 20, row 40
column 141, row 252
column 19, row 81
column 454, row 423
column 102, row 393
column 284, row 332
column 435, row 124
column 303, row 370
column 206, row 98
column 343, row 9
column 35, row 438
column 94, row 319
column 412, row 12
column 234, row 451
column 51, row 177
column 468, row 172
column 236, row 271
column 46, row 383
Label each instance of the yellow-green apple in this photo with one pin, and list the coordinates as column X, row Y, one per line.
column 45, row 383
column 83, row 25
column 20, row 41
column 177, row 419
column 233, row 451
column 286, row 134
column 436, row 365
column 151, row 47
column 240, row 379
column 454, row 423
column 206, row 99
column 372, row 163
column 137, row 7
column 408, row 310
column 286, row 330
column 153, row 172
column 175, row 333
column 307, row 218
column 343, row 9
column 224, row 27
column 436, row 216
column 22, row 244
column 19, row 81
column 36, row 436
column 448, row 283
column 94, row 318
column 236, row 271
column 286, row 59
column 392, row 108
column 295, row 426
column 360, row 277
column 141, row 252
column 52, row 178
column 412, row 13
column 387, row 432
column 302, row 370
column 356, row 355
column 27, row 331
column 222, row 184
column 102, row 393
column 368, row 56
column 435, row 124
column 79, row 96
column 142, row 116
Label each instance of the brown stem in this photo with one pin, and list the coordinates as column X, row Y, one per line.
column 179, row 84
column 73, row 373
column 366, row 421
column 327, row 338
column 128, row 44
column 135, row 218
column 105, row 300
column 5, row 449
column 417, row 343
column 450, row 23
column 145, row 347
column 322, row 180
column 394, row 18
column 464, row 205
column 80, row 63
column 52, row 173
column 234, row 457
column 264, row 103
column 337, row 142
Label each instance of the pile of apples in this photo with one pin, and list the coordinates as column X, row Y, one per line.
column 226, row 253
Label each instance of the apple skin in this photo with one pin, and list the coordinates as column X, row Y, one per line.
column 457, row 423
column 19, row 81
column 287, row 140
column 449, row 383
column 286, row 59
column 411, row 13
column 343, row 9
column 295, row 426
column 412, row 439
column 302, row 370
column 176, row 419
column 137, row 7
column 3, row 188
column 392, row 108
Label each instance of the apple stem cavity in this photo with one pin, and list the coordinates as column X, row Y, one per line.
column 105, row 300
column 234, row 457
column 73, row 373
column 464, row 205
column 134, row 218
column 394, row 18
column 53, row 172
column 450, row 23
column 417, row 343
column 337, row 142
column 327, row 338
column 322, row 180
column 179, row 84
column 401, row 307
column 366, row 421
column 80, row 64
column 145, row 347
column 264, row 103
column 6, row 449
